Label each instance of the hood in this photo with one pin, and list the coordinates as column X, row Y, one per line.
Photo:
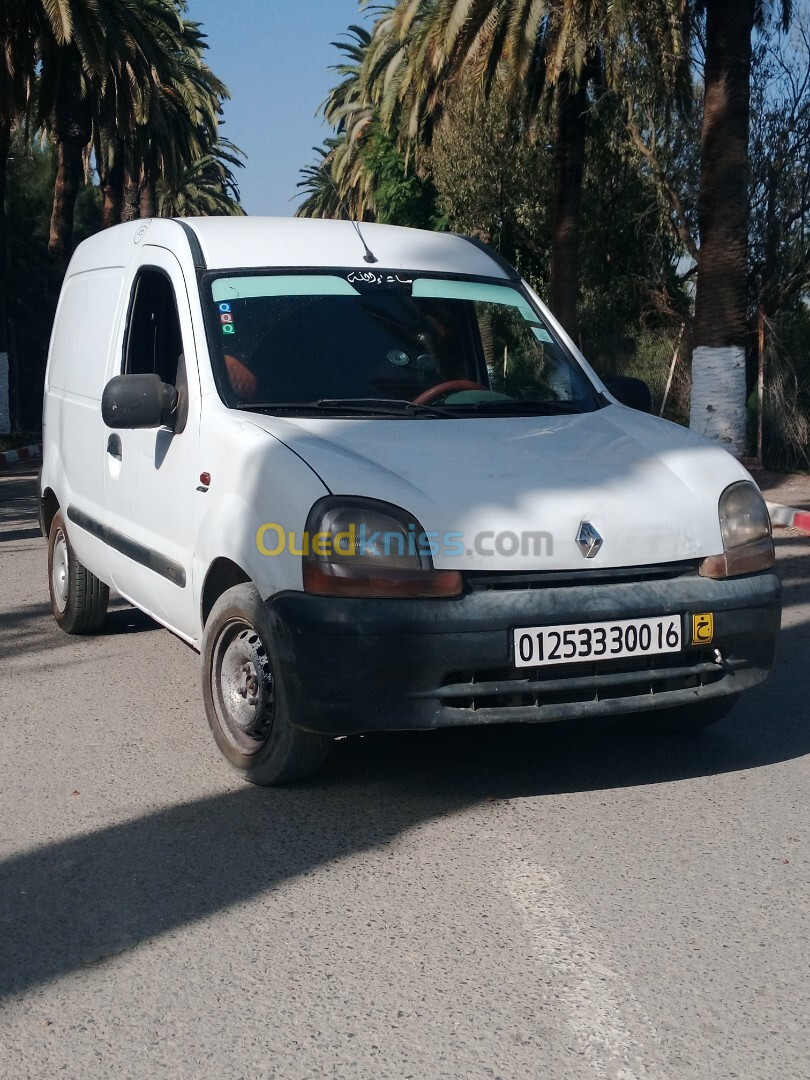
column 511, row 493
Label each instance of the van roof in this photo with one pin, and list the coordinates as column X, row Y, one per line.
column 231, row 242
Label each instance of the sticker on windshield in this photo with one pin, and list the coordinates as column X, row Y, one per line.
column 371, row 277
column 266, row 285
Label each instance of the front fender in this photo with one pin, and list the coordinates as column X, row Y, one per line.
column 229, row 526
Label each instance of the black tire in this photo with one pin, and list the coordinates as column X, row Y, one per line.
column 693, row 717
column 244, row 695
column 78, row 599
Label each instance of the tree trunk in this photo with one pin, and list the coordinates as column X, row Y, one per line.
column 72, row 125
column 148, row 191
column 148, row 204
column 111, row 182
column 569, row 168
column 130, row 207
column 5, row 412
column 131, row 210
column 718, row 362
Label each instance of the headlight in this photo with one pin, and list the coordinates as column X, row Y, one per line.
column 746, row 529
column 364, row 548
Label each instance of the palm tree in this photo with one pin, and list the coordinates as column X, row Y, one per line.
column 342, row 183
column 125, row 96
column 18, row 31
column 324, row 199
column 347, row 98
column 114, row 53
column 204, row 188
column 16, row 38
column 164, row 130
column 21, row 23
column 420, row 47
column 421, row 51
column 721, row 319
column 183, row 126
column 134, row 81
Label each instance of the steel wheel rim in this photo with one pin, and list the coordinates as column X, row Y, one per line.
column 60, row 572
column 242, row 686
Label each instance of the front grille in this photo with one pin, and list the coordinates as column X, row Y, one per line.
column 602, row 680
column 549, row 579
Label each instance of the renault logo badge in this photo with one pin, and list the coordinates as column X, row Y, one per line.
column 589, row 540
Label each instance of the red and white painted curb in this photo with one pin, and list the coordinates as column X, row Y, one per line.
column 25, row 453
column 788, row 517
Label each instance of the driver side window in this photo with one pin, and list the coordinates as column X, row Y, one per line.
column 153, row 343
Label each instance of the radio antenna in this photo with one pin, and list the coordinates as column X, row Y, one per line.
column 369, row 256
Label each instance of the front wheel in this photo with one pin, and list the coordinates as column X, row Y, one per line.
column 700, row 714
column 78, row 598
column 244, row 696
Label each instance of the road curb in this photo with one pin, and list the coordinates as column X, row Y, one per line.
column 25, row 453
column 788, row 517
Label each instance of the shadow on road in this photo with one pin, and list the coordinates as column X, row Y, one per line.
column 18, row 501
column 8, row 536
column 78, row 902
column 31, row 629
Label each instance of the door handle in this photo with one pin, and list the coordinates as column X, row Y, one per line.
column 114, row 446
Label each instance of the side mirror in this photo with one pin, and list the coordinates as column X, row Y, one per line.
column 138, row 401
column 631, row 392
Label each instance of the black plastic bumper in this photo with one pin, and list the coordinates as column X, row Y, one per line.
column 371, row 665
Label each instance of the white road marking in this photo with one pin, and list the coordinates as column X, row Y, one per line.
column 611, row 1031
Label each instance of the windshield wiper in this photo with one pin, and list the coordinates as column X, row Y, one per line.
column 383, row 407
column 527, row 408
column 356, row 406
column 278, row 406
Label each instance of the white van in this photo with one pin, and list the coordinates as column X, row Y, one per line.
column 368, row 476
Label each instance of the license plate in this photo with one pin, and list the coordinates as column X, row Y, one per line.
column 578, row 643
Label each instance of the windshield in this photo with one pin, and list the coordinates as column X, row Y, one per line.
column 387, row 343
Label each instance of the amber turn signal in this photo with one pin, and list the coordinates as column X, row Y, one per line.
column 746, row 559
column 323, row 579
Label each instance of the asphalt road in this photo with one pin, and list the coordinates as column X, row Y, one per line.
column 581, row 900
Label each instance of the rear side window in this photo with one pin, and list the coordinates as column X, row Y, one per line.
column 153, row 342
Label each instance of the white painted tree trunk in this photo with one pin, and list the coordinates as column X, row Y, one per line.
column 5, row 416
column 718, row 396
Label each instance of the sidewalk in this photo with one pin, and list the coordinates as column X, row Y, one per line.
column 785, row 492
column 789, row 489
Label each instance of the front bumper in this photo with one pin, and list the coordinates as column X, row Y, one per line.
column 352, row 666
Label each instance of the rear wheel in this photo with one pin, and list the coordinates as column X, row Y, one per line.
column 244, row 696
column 78, row 598
column 693, row 717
